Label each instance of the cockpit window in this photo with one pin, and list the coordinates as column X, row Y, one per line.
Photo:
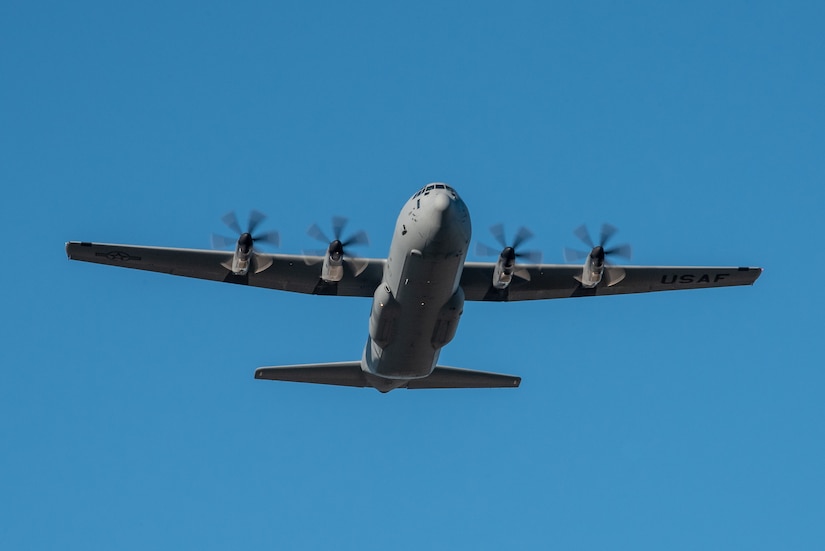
column 428, row 188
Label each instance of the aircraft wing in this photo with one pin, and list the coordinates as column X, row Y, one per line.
column 559, row 280
column 294, row 273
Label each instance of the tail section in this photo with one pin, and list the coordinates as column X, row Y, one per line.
column 453, row 377
column 338, row 373
column 350, row 374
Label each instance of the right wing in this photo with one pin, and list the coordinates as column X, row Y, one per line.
column 294, row 273
column 548, row 281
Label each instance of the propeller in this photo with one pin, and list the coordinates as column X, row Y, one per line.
column 338, row 247
column 523, row 234
column 245, row 238
column 607, row 231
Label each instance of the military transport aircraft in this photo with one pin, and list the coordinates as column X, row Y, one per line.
column 418, row 291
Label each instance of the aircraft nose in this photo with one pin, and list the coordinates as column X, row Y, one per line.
column 441, row 202
column 445, row 220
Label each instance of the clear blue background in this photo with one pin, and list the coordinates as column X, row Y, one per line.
column 129, row 417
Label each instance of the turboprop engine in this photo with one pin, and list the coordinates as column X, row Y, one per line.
column 333, row 268
column 243, row 253
column 506, row 265
column 593, row 268
column 244, row 258
column 596, row 267
column 338, row 252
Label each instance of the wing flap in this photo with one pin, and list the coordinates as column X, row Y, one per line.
column 336, row 373
column 453, row 377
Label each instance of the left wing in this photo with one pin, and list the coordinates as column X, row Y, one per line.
column 285, row 273
column 559, row 281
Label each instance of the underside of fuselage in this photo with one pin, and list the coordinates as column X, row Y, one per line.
column 417, row 308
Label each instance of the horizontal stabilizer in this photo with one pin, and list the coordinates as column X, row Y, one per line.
column 350, row 374
column 453, row 377
column 338, row 373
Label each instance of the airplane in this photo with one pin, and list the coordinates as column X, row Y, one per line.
column 418, row 291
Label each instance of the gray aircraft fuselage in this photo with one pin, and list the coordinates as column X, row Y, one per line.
column 416, row 309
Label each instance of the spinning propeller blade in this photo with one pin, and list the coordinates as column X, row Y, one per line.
column 523, row 234
column 606, row 233
column 255, row 219
column 346, row 244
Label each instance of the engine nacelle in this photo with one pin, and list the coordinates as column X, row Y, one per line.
column 384, row 316
column 506, row 265
column 593, row 268
column 242, row 258
column 446, row 324
column 333, row 268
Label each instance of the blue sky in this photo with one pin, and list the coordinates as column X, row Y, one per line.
column 128, row 412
